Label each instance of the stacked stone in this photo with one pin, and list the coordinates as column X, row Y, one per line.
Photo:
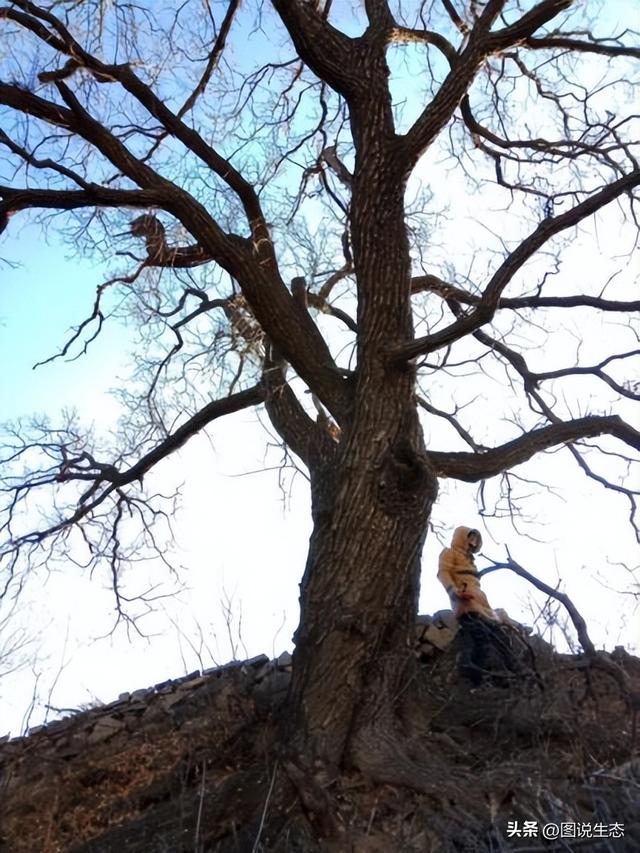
column 175, row 701
column 434, row 634
column 168, row 705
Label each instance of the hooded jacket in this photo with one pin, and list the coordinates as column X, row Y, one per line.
column 458, row 574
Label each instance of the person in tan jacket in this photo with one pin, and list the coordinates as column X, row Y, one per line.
column 458, row 574
column 482, row 631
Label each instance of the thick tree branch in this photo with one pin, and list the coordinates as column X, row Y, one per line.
column 106, row 481
column 407, row 35
column 209, row 413
column 459, row 23
column 76, row 119
column 379, row 14
column 315, row 300
column 464, row 68
column 213, row 62
column 159, row 253
column 473, row 467
column 481, row 43
column 192, row 140
column 30, row 22
column 22, row 198
column 599, row 47
column 527, row 25
column 173, row 124
column 301, row 433
column 251, row 262
column 330, row 54
column 490, row 299
column 289, row 326
column 434, row 284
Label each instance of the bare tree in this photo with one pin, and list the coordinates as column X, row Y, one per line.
column 284, row 186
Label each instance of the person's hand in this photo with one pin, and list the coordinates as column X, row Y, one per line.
column 464, row 596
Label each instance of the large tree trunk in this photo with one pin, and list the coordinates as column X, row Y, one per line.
column 359, row 592
column 371, row 506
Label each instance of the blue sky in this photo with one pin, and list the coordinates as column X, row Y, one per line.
column 41, row 298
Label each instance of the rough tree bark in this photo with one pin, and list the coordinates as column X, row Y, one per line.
column 374, row 498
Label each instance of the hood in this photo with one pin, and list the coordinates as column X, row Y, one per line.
column 460, row 539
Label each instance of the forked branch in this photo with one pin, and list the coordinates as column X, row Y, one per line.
column 593, row 657
column 490, row 300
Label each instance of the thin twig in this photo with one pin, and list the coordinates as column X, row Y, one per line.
column 263, row 816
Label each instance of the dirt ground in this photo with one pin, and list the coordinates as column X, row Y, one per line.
column 195, row 765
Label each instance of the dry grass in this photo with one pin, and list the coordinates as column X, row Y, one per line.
column 561, row 753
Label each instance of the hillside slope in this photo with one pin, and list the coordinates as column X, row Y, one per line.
column 191, row 765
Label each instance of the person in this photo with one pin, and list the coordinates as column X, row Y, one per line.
column 484, row 639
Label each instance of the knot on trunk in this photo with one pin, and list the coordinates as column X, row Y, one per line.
column 407, row 484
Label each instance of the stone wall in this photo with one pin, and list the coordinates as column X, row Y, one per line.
column 171, row 768
column 176, row 700
column 91, row 772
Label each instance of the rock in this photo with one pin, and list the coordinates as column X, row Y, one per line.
column 227, row 667
column 256, row 662
column 284, row 661
column 423, row 623
column 445, row 619
column 190, row 677
column 104, row 728
column 111, row 708
column 425, row 652
column 187, row 686
column 440, row 638
column 69, row 751
column 158, row 783
column 58, row 726
column 139, row 695
column 271, row 691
